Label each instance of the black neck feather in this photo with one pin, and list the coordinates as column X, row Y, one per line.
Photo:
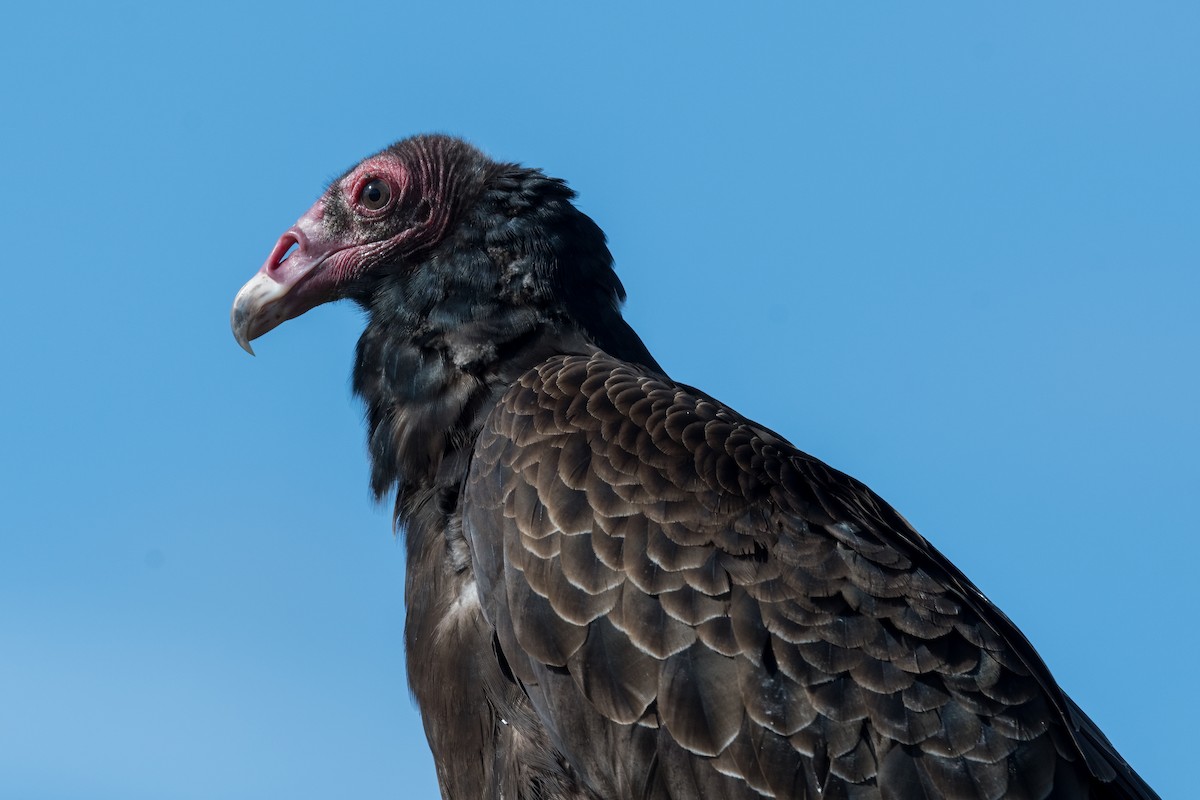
column 521, row 277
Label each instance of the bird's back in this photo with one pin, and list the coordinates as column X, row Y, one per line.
column 697, row 609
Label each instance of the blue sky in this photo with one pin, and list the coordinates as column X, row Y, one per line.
column 951, row 249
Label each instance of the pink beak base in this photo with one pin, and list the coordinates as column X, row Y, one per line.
column 282, row 289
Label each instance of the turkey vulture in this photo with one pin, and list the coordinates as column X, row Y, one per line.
column 618, row 587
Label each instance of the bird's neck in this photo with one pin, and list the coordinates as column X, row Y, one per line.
column 428, row 384
column 447, row 337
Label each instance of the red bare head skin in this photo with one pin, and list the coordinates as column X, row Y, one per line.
column 385, row 210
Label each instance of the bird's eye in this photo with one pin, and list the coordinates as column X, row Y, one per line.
column 375, row 194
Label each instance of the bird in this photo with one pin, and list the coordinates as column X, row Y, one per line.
column 616, row 585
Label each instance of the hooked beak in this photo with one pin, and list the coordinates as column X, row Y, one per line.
column 284, row 287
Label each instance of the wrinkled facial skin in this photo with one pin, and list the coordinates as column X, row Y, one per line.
column 369, row 216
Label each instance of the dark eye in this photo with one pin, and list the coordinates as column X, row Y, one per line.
column 375, row 194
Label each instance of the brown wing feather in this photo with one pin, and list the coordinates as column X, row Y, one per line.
column 696, row 608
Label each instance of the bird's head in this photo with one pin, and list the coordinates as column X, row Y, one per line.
column 440, row 243
column 380, row 218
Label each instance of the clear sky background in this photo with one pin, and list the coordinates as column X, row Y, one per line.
column 950, row 248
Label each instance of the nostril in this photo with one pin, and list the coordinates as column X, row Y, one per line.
column 287, row 246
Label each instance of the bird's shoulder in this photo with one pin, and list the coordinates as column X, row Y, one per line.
column 625, row 440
